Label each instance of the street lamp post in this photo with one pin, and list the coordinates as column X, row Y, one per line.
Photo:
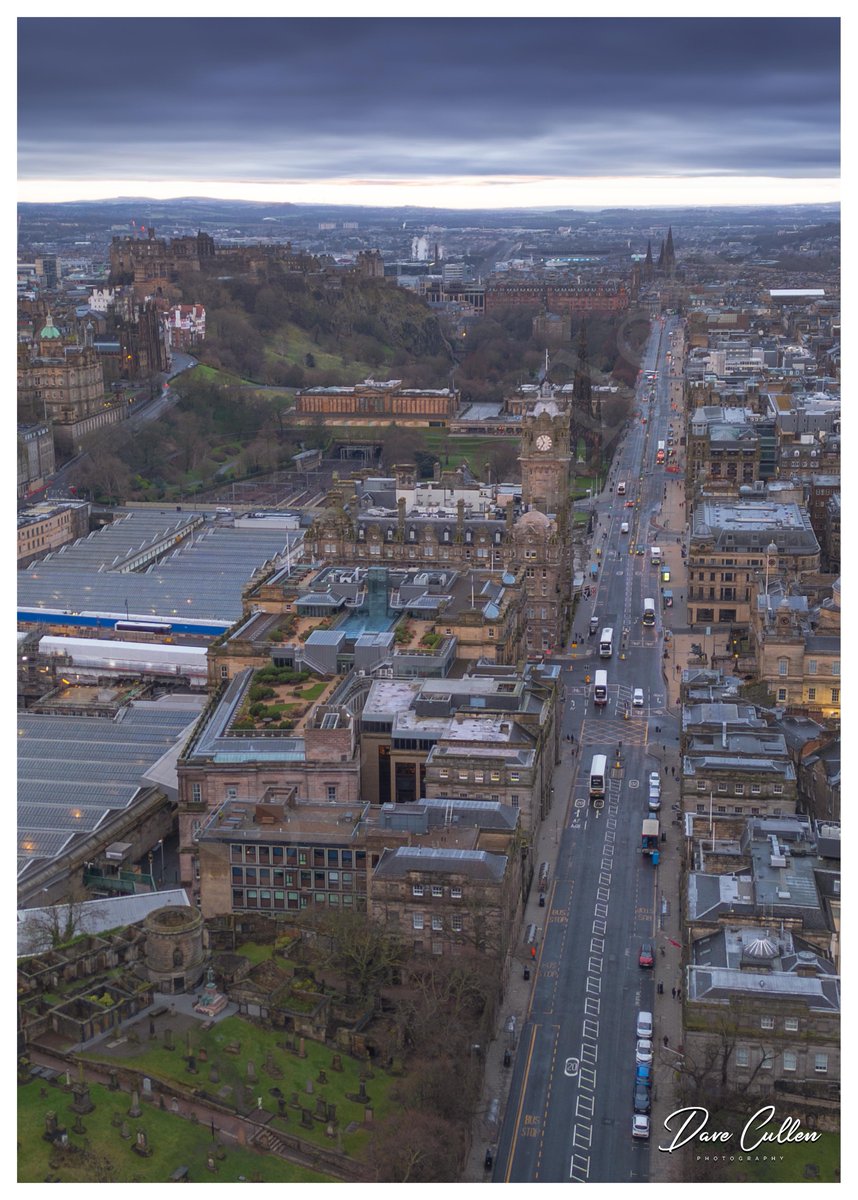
column 161, row 844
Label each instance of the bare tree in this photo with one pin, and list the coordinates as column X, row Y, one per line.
column 56, row 924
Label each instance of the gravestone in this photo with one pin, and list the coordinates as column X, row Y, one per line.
column 367, row 1116
column 43, row 1093
column 330, row 1131
column 294, row 1102
column 281, row 1107
column 202, row 1054
column 50, row 1126
column 81, row 1102
column 302, row 1049
column 214, row 1073
column 309, row 1087
column 116, row 1120
column 162, row 1104
column 332, row 1113
column 151, row 1030
column 211, row 1165
column 135, row 1109
column 322, row 1077
column 337, row 1063
column 124, row 1131
column 147, row 1088
column 141, row 1145
column 114, row 1079
column 191, row 1068
column 368, row 1071
column 321, row 1113
column 78, row 1126
column 174, row 1104
column 306, row 1118
column 251, row 1071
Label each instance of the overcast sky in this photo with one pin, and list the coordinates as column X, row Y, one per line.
column 472, row 111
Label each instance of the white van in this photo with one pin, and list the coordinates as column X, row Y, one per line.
column 644, row 1025
column 624, row 528
column 621, row 488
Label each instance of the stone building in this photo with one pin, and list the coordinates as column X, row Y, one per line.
column 798, row 650
column 45, row 527
column 174, row 948
column 383, row 402
column 560, row 298
column 723, row 449
column 63, row 384
column 731, row 543
column 222, row 763
column 763, row 1007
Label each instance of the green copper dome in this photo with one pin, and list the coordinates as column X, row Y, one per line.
column 50, row 330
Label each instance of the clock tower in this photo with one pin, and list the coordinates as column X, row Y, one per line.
column 546, row 459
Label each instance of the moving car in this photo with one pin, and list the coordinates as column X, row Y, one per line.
column 645, row 958
column 624, row 527
column 594, row 624
column 643, row 1029
column 640, row 1126
column 643, row 1051
column 630, row 504
column 638, row 698
column 639, row 549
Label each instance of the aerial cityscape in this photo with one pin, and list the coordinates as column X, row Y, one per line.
column 428, row 600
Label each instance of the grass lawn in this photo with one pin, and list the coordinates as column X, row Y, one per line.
column 174, row 1142
column 824, row 1154
column 313, row 692
column 292, row 344
column 155, row 1060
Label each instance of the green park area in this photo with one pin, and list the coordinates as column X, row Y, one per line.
column 100, row 1154
column 238, row 1062
column 813, row 1162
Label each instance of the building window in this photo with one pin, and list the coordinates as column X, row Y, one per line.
column 457, row 922
column 417, row 889
column 791, row 1024
column 231, row 793
column 743, row 1056
column 739, row 789
column 790, row 1060
column 701, row 785
column 722, row 788
column 820, row 1063
column 812, row 666
column 777, row 789
column 197, row 793
column 811, row 693
column 332, row 792
column 835, row 695
column 756, row 788
column 835, row 667
column 767, row 1022
column 514, row 800
column 767, row 1061
column 224, row 671
column 437, row 924
column 455, row 893
column 444, row 773
column 417, row 920
column 782, row 693
column 437, row 890
column 783, row 666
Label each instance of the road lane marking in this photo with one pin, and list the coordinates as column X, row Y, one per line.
column 521, row 1101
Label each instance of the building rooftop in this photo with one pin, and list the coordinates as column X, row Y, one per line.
column 74, row 771
column 476, row 864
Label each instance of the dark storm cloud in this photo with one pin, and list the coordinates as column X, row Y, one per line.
column 273, row 99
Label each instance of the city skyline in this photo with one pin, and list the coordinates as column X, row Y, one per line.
column 472, row 113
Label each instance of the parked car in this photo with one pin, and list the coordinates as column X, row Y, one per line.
column 642, row 1099
column 654, row 802
column 645, row 958
column 640, row 1126
column 654, row 781
column 638, row 698
column 643, row 1074
column 643, row 1051
column 643, row 1029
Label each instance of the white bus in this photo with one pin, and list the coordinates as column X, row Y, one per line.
column 600, row 688
column 606, row 643
column 649, row 611
column 655, row 555
column 598, row 777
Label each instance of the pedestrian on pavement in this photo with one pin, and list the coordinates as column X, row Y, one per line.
column 673, row 992
column 673, row 772
column 665, row 1039
column 679, row 993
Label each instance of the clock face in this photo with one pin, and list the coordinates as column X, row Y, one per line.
column 543, row 442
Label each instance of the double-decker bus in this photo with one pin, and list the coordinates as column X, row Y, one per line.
column 659, row 453
column 598, row 779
